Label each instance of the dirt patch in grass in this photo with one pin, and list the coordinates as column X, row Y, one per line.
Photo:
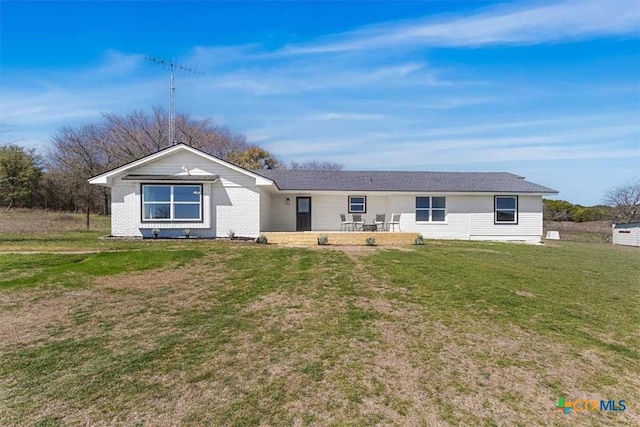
column 283, row 309
column 25, row 319
column 524, row 294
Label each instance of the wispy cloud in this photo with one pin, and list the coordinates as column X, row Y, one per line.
column 296, row 78
column 345, row 116
column 116, row 63
column 522, row 24
column 420, row 145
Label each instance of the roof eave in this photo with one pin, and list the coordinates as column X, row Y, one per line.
column 106, row 178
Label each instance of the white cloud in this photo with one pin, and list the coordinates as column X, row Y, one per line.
column 345, row 116
column 116, row 63
column 530, row 24
column 419, row 145
column 208, row 57
column 296, row 78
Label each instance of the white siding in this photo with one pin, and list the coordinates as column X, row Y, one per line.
column 283, row 216
column 483, row 226
column 456, row 225
column 172, row 165
column 626, row 234
column 326, row 210
column 468, row 216
column 265, row 210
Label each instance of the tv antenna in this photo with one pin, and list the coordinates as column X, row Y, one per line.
column 172, row 66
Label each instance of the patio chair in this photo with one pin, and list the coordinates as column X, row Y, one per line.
column 358, row 223
column 344, row 224
column 379, row 222
column 395, row 220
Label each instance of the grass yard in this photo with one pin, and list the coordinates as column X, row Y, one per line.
column 217, row 333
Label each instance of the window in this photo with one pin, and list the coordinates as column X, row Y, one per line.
column 171, row 202
column 357, row 204
column 506, row 208
column 431, row 209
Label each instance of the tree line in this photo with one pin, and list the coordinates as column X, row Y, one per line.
column 58, row 180
column 622, row 205
column 561, row 210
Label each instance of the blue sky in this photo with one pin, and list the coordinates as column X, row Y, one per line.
column 548, row 90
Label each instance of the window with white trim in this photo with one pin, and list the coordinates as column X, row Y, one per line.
column 357, row 204
column 171, row 202
column 431, row 209
column 506, row 209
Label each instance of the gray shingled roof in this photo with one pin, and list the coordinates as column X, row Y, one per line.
column 498, row 182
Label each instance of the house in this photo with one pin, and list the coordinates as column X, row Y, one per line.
column 626, row 234
column 181, row 187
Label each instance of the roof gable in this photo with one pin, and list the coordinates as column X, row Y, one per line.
column 107, row 177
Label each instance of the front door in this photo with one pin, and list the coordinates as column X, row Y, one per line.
column 303, row 213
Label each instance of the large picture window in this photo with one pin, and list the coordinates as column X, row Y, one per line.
column 506, row 209
column 431, row 209
column 357, row 204
column 164, row 202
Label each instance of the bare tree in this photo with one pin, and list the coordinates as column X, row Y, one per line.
column 139, row 134
column 77, row 154
column 316, row 166
column 81, row 152
column 625, row 200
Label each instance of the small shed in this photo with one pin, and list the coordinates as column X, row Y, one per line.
column 626, row 234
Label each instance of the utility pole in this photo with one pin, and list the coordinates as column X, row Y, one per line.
column 172, row 90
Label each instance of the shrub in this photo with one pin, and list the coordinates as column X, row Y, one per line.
column 262, row 239
column 323, row 239
column 419, row 240
column 370, row 241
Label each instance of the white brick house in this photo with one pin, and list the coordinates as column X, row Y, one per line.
column 181, row 187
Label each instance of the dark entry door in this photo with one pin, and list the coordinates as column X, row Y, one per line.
column 303, row 214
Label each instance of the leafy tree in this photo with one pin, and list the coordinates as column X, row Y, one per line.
column 561, row 210
column 254, row 158
column 20, row 174
column 316, row 166
column 558, row 210
column 590, row 213
column 625, row 200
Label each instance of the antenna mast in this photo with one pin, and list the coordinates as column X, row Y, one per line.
column 172, row 91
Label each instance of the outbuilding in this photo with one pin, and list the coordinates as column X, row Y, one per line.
column 626, row 234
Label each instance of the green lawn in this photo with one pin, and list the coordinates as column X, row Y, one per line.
column 213, row 333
